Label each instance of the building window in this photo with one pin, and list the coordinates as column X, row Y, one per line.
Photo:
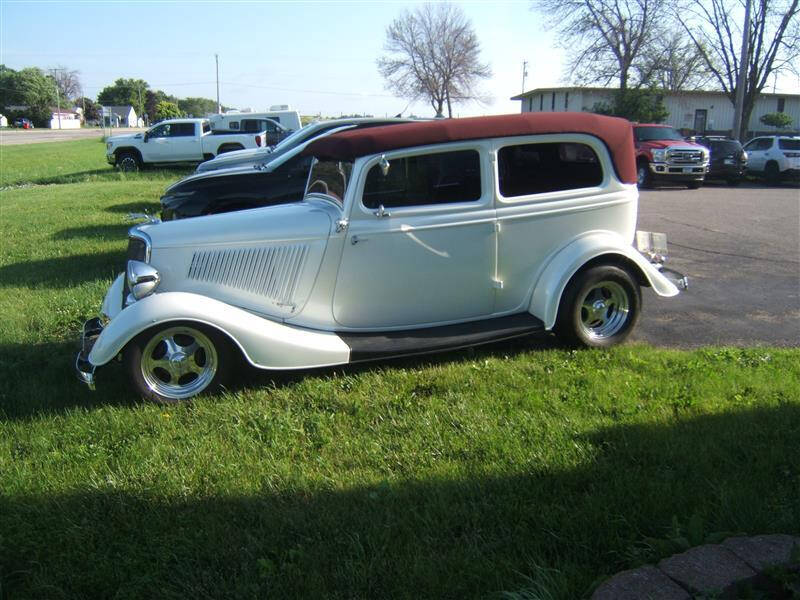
column 541, row 102
column 530, row 104
column 553, row 103
column 566, row 100
column 781, row 104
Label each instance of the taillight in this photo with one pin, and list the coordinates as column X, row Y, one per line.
column 258, row 141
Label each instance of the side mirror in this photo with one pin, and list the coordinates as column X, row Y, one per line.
column 146, row 136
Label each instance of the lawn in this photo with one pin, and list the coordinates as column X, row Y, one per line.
column 518, row 467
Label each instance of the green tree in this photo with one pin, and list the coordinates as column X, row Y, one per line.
column 91, row 110
column 125, row 92
column 198, row 107
column 640, row 105
column 152, row 98
column 778, row 120
column 31, row 88
column 167, row 110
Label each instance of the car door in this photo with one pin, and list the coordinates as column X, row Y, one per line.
column 757, row 150
column 155, row 149
column 420, row 247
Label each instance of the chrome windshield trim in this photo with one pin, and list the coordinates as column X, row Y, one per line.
column 134, row 232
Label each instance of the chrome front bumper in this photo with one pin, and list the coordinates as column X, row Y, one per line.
column 654, row 247
column 83, row 368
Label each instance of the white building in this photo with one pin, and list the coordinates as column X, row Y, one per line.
column 691, row 112
column 65, row 119
column 120, row 116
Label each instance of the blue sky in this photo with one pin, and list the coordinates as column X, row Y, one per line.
column 318, row 57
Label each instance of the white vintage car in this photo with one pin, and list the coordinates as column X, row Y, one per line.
column 409, row 239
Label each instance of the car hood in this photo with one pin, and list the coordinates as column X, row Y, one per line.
column 232, row 159
column 191, row 181
column 659, row 144
column 264, row 260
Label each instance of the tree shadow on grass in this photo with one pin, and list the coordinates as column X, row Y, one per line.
column 468, row 535
column 105, row 232
column 135, row 207
column 64, row 271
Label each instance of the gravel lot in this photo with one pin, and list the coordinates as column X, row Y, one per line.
column 740, row 248
column 11, row 137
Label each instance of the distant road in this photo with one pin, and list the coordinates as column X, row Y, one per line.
column 12, row 137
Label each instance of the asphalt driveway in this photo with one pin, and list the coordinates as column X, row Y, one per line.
column 740, row 247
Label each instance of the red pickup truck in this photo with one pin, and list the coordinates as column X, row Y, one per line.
column 662, row 155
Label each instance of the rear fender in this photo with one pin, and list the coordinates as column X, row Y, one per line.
column 264, row 343
column 593, row 247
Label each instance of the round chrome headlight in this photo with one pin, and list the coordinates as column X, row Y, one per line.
column 142, row 278
column 659, row 155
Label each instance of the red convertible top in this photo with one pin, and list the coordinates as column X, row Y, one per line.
column 616, row 134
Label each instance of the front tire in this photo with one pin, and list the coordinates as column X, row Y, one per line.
column 175, row 362
column 694, row 185
column 599, row 308
column 128, row 162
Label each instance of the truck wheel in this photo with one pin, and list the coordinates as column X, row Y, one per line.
column 643, row 176
column 176, row 362
column 229, row 148
column 694, row 185
column 599, row 307
column 772, row 173
column 128, row 161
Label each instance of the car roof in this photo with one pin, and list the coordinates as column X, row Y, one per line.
column 615, row 133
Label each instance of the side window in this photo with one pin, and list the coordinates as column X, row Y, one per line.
column 206, row 126
column 233, row 125
column 182, row 130
column 549, row 167
column 441, row 178
column 159, row 132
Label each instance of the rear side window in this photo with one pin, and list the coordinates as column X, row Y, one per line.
column 441, row 178
column 785, row 144
column 181, row 130
column 550, row 167
column 233, row 125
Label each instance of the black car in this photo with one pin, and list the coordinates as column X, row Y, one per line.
column 728, row 159
column 250, row 184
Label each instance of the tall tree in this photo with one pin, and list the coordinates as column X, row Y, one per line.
column 125, row 92
column 68, row 82
column 434, row 54
column 197, row 107
column 30, row 88
column 673, row 62
column 152, row 98
column 715, row 27
column 91, row 110
column 604, row 38
column 167, row 110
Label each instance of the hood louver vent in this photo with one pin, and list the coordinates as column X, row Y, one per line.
column 270, row 272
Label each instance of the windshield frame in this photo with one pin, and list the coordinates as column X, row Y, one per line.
column 315, row 175
column 657, row 135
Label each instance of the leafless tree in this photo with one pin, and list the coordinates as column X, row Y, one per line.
column 603, row 38
column 433, row 53
column 673, row 62
column 68, row 83
column 715, row 27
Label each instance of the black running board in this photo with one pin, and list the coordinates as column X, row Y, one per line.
column 393, row 344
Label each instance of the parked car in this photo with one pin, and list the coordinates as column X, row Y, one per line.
column 258, row 157
column 774, row 157
column 23, row 123
column 410, row 239
column 176, row 141
column 728, row 161
column 247, row 185
column 664, row 156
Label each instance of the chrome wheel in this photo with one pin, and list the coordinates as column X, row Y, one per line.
column 179, row 362
column 604, row 310
column 643, row 175
column 127, row 162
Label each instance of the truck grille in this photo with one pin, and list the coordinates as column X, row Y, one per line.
column 685, row 157
column 272, row 272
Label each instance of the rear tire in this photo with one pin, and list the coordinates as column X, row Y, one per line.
column 772, row 173
column 177, row 361
column 128, row 162
column 599, row 308
column 643, row 176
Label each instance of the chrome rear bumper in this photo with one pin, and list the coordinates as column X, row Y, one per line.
column 83, row 368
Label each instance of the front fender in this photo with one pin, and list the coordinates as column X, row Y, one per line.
column 264, row 343
column 554, row 278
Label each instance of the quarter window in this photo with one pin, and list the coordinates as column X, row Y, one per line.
column 550, row 167
column 441, row 178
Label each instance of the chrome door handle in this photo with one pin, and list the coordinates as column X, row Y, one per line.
column 382, row 212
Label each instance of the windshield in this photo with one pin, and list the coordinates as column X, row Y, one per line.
column 647, row 134
column 329, row 177
column 786, row 144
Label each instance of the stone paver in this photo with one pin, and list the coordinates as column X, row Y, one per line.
column 762, row 551
column 708, row 569
column 645, row 583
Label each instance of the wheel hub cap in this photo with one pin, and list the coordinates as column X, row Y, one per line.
column 604, row 310
column 179, row 362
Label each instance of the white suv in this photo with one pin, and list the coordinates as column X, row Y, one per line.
column 409, row 239
column 775, row 157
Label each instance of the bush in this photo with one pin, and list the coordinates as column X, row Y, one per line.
column 778, row 120
column 641, row 105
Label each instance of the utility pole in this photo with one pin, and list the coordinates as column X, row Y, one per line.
column 141, row 106
column 744, row 63
column 524, row 74
column 58, row 95
column 219, row 107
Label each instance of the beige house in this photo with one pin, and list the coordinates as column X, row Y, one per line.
column 691, row 112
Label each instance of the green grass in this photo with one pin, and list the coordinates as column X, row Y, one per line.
column 519, row 467
column 67, row 162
